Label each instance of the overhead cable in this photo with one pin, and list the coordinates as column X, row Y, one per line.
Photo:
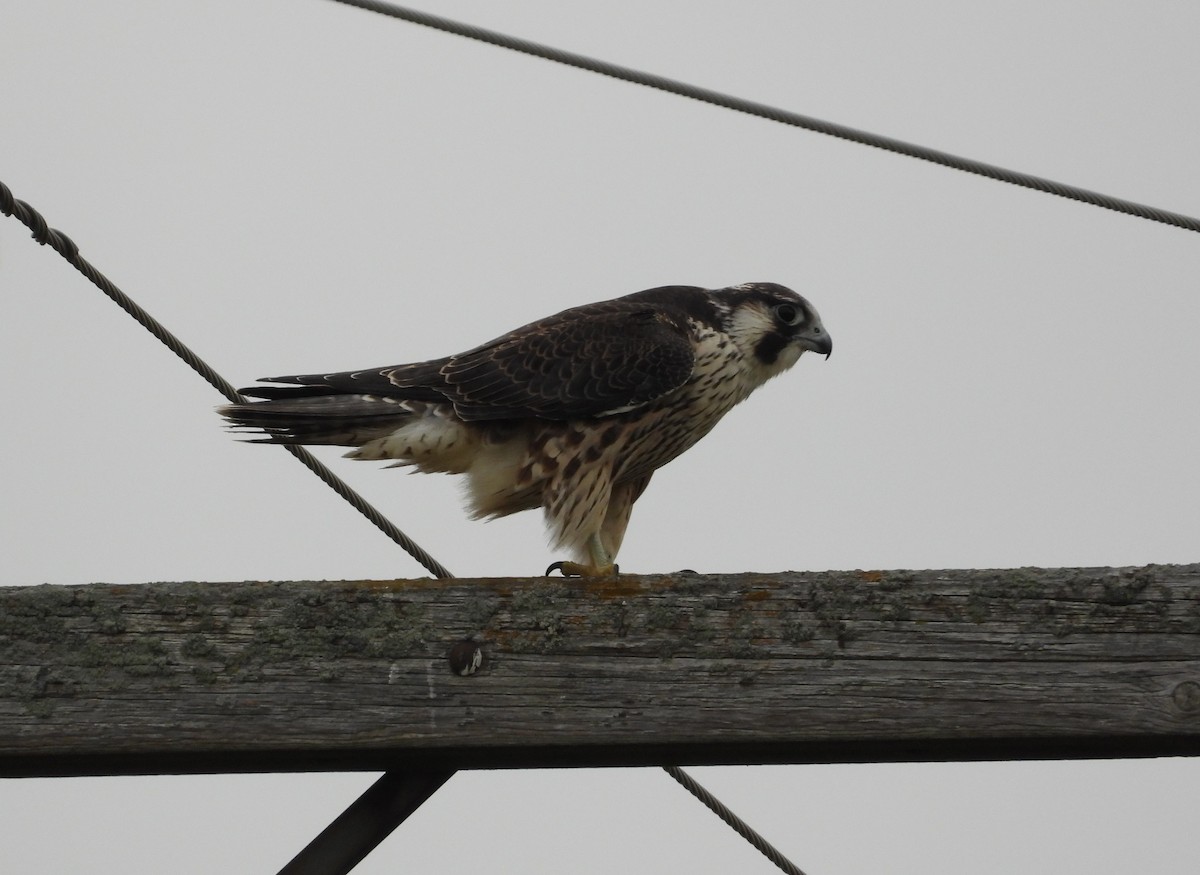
column 739, row 826
column 783, row 116
column 64, row 246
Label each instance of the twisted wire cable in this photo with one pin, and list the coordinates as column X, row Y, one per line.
column 740, row 826
column 783, row 116
column 64, row 246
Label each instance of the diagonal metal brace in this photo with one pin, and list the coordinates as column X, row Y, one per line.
column 367, row 822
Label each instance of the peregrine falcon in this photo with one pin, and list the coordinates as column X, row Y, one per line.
column 573, row 413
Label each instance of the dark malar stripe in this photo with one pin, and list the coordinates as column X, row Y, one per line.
column 767, row 350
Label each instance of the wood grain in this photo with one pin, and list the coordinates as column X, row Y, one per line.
column 745, row 668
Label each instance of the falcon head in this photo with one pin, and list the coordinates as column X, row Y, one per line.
column 772, row 326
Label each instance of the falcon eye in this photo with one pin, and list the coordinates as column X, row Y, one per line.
column 788, row 314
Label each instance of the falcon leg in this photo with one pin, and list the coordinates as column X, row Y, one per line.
column 602, row 563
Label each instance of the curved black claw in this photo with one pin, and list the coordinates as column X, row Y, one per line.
column 576, row 569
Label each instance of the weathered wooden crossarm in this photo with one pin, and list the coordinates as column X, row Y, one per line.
column 740, row 668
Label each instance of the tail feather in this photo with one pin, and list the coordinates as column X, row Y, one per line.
column 272, row 393
column 324, row 419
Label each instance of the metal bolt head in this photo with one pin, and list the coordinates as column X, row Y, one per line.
column 465, row 657
column 1187, row 697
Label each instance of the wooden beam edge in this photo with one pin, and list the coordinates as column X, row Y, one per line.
column 368, row 669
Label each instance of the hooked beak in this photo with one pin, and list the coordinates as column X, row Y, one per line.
column 818, row 341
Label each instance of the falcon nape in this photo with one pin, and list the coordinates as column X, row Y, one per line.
column 573, row 413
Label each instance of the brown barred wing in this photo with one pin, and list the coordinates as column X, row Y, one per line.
column 586, row 362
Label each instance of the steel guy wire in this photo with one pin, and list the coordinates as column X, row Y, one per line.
column 64, row 246
column 739, row 826
column 783, row 116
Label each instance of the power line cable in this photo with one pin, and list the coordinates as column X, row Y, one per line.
column 739, row 826
column 64, row 246
column 783, row 116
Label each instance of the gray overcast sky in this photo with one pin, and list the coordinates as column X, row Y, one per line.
column 299, row 186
